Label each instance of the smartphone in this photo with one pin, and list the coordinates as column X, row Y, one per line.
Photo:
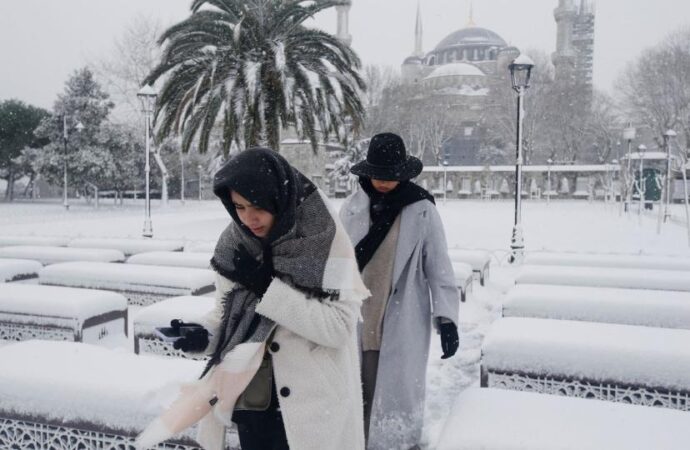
column 170, row 334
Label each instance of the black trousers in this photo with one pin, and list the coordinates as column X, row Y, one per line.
column 262, row 430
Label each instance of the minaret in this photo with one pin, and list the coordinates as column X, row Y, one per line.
column 470, row 21
column 418, row 34
column 564, row 57
column 343, row 22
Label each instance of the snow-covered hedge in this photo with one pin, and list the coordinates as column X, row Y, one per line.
column 197, row 260
column 608, row 260
column 200, row 246
column 50, row 312
column 611, row 353
column 18, row 269
column 141, row 284
column 510, row 420
column 669, row 280
column 129, row 246
column 665, row 309
column 51, row 255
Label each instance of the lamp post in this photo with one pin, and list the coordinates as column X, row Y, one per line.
column 520, row 73
column 629, row 135
column 65, row 135
column 147, row 95
column 199, row 168
column 668, row 134
column 445, row 178
column 548, row 180
column 640, row 182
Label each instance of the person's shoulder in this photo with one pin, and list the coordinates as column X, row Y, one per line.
column 421, row 206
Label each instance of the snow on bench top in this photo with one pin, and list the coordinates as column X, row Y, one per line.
column 188, row 308
column 605, row 277
column 55, row 301
column 75, row 382
column 608, row 260
column 462, row 271
column 512, row 420
column 478, row 259
column 13, row 269
column 126, row 277
column 6, row 241
column 200, row 246
column 51, row 255
column 664, row 309
column 657, row 357
column 129, row 246
column 176, row 259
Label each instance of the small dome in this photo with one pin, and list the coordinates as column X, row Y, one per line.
column 413, row 60
column 456, row 70
column 471, row 36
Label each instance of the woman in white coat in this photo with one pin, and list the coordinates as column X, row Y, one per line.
column 287, row 277
column 402, row 253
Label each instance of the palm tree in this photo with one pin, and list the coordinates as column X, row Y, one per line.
column 254, row 68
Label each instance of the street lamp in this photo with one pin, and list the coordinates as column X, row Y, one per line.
column 548, row 180
column 147, row 95
column 199, row 169
column 641, row 188
column 445, row 178
column 629, row 135
column 668, row 134
column 520, row 73
column 65, row 135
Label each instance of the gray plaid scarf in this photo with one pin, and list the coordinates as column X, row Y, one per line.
column 299, row 259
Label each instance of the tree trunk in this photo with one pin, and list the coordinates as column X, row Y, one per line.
column 9, row 193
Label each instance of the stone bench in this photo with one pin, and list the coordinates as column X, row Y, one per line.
column 196, row 260
column 608, row 260
column 664, row 280
column 141, row 284
column 620, row 363
column 18, row 270
column 66, row 396
column 129, row 246
column 6, row 241
column 500, row 419
column 463, row 278
column 480, row 260
column 51, row 255
column 663, row 309
column 188, row 308
column 59, row 313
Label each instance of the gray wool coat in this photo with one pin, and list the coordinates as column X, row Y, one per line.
column 423, row 289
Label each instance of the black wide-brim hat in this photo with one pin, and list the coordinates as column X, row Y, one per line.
column 388, row 160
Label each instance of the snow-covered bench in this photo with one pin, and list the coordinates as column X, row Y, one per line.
column 463, row 278
column 18, row 270
column 6, row 241
column 663, row 309
column 619, row 363
column 142, row 285
column 500, row 419
column 663, row 280
column 188, row 308
column 608, row 260
column 200, row 246
column 478, row 259
column 196, row 260
column 129, row 246
column 48, row 312
column 51, row 255
column 66, row 396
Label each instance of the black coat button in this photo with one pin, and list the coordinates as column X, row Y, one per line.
column 274, row 347
column 285, row 391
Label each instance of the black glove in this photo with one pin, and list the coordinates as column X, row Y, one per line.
column 194, row 336
column 250, row 273
column 449, row 339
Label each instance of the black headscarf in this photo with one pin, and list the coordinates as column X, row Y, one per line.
column 383, row 210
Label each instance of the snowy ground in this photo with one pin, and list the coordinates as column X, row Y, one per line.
column 561, row 225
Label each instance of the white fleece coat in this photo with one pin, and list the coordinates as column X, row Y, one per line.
column 317, row 360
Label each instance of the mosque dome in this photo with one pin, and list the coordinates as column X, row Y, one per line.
column 413, row 60
column 472, row 36
column 456, row 70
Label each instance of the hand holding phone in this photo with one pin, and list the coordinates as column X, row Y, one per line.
column 188, row 337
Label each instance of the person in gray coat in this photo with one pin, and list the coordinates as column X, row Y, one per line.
column 401, row 251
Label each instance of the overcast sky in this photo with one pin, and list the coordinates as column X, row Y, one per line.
column 43, row 41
